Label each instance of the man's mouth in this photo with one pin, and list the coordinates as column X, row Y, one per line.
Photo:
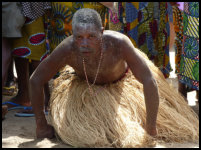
column 86, row 53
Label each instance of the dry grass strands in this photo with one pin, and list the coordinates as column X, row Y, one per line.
column 115, row 117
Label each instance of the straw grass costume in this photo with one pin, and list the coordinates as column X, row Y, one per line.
column 115, row 116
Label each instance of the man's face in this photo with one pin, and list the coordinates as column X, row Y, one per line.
column 87, row 38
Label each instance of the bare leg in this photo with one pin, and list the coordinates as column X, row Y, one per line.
column 197, row 95
column 32, row 66
column 6, row 59
column 4, row 111
column 22, row 68
column 10, row 77
column 172, row 35
column 10, row 86
column 183, row 90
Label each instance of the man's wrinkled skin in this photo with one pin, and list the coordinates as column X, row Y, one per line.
column 87, row 42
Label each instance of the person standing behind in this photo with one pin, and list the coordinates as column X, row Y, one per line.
column 178, row 29
column 189, row 64
column 148, row 27
column 115, row 17
column 12, row 22
column 29, row 49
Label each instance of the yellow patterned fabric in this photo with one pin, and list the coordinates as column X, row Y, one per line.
column 61, row 18
column 147, row 26
column 32, row 44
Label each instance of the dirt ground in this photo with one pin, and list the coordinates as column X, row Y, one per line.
column 19, row 132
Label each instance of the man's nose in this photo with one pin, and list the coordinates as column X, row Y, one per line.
column 84, row 43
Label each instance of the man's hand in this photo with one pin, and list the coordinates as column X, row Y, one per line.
column 151, row 131
column 45, row 132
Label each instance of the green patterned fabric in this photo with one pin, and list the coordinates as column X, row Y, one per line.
column 189, row 65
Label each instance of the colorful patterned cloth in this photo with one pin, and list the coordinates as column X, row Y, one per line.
column 116, row 20
column 61, row 18
column 32, row 44
column 178, row 28
column 189, row 65
column 34, row 10
column 147, row 25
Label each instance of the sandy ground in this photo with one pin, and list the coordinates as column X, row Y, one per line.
column 19, row 132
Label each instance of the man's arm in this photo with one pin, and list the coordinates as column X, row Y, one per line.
column 43, row 73
column 143, row 74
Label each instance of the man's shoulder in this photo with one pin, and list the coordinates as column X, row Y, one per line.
column 113, row 34
column 115, row 37
column 68, row 40
column 66, row 44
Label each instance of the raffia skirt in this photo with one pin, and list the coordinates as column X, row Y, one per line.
column 116, row 115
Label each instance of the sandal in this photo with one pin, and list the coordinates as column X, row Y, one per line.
column 27, row 112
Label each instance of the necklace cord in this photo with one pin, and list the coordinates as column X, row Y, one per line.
column 84, row 66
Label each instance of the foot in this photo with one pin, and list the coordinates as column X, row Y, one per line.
column 11, row 83
column 27, row 112
column 4, row 111
column 21, row 100
column 45, row 131
column 10, row 89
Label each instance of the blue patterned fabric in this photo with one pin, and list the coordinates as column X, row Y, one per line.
column 189, row 66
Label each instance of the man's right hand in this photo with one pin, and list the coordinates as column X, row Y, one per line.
column 46, row 131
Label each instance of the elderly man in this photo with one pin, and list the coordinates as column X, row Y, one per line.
column 102, row 58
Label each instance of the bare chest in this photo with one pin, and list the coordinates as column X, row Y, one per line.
column 103, row 70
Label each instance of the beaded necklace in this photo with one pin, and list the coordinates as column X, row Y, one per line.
column 84, row 66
